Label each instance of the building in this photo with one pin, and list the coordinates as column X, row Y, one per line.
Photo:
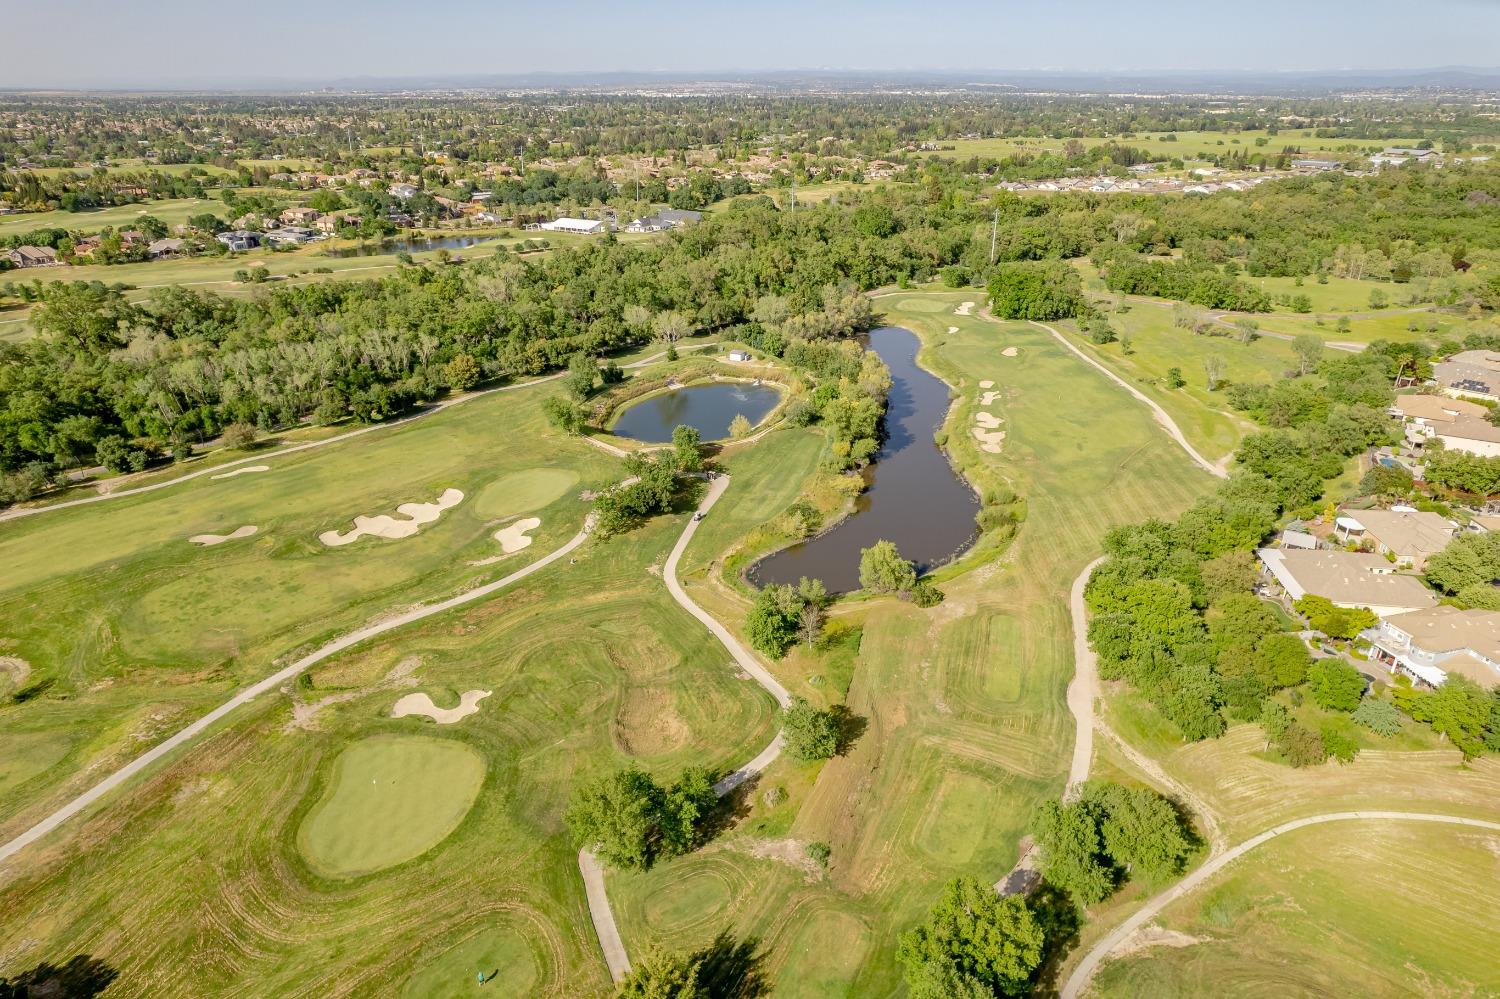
column 292, row 235
column 402, row 191
column 300, row 216
column 666, row 218
column 240, row 239
column 1431, row 645
column 1473, row 373
column 169, row 247
column 1298, row 539
column 1315, row 164
column 739, row 355
column 1347, row 579
column 588, row 227
column 32, row 256
column 1410, row 535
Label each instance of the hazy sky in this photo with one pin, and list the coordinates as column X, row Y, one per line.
column 114, row 42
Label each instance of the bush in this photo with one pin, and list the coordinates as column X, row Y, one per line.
column 1301, row 746
column 819, row 852
column 810, row 734
column 1338, row 740
column 239, row 436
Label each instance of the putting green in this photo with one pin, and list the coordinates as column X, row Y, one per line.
column 455, row 973
column 524, row 491
column 930, row 305
column 389, row 799
column 956, row 820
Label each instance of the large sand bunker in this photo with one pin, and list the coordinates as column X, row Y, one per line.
column 207, row 540
column 989, row 440
column 988, row 421
column 963, row 309
column 241, row 471
column 386, row 526
column 421, row 704
column 513, row 537
column 1010, row 351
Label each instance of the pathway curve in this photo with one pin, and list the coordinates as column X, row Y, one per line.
column 1083, row 689
column 1083, row 973
column 1219, row 468
column 15, row 513
column 245, row 696
column 615, row 956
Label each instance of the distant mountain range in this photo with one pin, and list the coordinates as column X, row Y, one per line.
column 1228, row 82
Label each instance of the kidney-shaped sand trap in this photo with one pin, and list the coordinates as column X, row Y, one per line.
column 421, row 704
column 963, row 309
column 241, row 471
column 386, row 526
column 988, row 399
column 513, row 537
column 1010, row 351
column 207, row 540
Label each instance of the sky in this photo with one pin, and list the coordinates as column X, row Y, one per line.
column 92, row 43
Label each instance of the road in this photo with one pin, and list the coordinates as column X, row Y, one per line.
column 615, row 956
column 161, row 749
column 1083, row 973
column 15, row 513
column 1219, row 468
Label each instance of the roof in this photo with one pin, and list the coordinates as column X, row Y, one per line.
column 1448, row 629
column 170, row 243
column 1405, row 531
column 1438, row 408
column 1469, row 428
column 1352, row 579
column 679, row 215
column 1486, row 521
column 1298, row 539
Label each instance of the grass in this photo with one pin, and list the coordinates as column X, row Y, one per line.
column 1189, row 145
column 172, row 211
column 962, row 705
column 1358, row 908
column 389, row 800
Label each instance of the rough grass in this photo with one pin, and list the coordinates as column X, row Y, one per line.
column 1358, row 908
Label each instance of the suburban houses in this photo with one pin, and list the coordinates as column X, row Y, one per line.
column 1347, row 579
column 1407, row 534
column 1431, row 645
column 666, row 218
column 32, row 256
column 240, row 239
column 1473, row 373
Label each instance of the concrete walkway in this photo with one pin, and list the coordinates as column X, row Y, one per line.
column 161, row 749
column 1083, row 973
column 15, row 513
column 615, row 956
column 1219, row 468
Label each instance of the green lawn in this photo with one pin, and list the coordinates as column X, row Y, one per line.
column 172, row 211
column 1358, row 908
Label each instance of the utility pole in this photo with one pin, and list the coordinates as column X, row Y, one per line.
column 994, row 231
column 794, row 194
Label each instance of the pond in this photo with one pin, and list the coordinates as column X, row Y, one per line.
column 915, row 498
column 709, row 409
column 389, row 246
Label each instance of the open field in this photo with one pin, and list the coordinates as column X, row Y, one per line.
column 1359, row 908
column 965, row 727
column 130, row 630
column 172, row 211
column 1188, row 146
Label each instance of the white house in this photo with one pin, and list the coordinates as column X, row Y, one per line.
column 588, row 227
column 739, row 355
column 1431, row 645
column 1347, row 579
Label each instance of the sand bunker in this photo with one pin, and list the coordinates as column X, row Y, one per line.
column 15, row 669
column 513, row 537
column 207, row 540
column 421, row 704
column 989, row 440
column 963, row 309
column 1010, row 351
column 986, row 384
column 988, row 399
column 952, row 329
column 386, row 526
column 241, row 471
column 987, row 420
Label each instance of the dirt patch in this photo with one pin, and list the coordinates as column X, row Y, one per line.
column 421, row 704
column 647, row 723
column 1155, row 936
column 209, row 540
column 393, row 528
column 15, row 670
column 305, row 713
column 788, row 851
column 964, row 309
column 242, row 471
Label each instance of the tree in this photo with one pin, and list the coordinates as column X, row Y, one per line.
column 1335, row 684
column 1301, row 746
column 1468, row 560
column 1245, row 328
column 1335, row 622
column 773, row 620
column 1459, row 710
column 611, row 373
column 1380, row 717
column 739, row 427
column 239, row 436
column 326, row 201
column 689, row 802
column 617, row 816
column 661, row 975
column 1309, row 349
column 1386, row 482
column 810, row 734
column 582, row 370
column 973, row 935
column 685, row 444
column 113, row 453
column 1175, row 379
column 564, row 414
column 670, row 326
column 87, row 317
column 1139, row 829
column 1036, row 290
column 462, row 372
column 1072, row 853
column 883, row 570
column 1283, row 660
column 1213, row 370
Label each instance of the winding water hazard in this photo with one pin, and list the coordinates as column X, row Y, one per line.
column 915, row 497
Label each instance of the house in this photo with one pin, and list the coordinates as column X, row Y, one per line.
column 1347, row 579
column 1315, row 164
column 402, row 191
column 300, row 216
column 1410, row 535
column 739, row 355
column 679, row 216
column 1473, row 373
column 240, row 239
column 1299, row 539
column 292, row 235
column 1431, row 645
column 160, row 248
column 32, row 256
column 586, row 226
column 1483, row 523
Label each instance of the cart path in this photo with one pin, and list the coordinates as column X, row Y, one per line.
column 15, row 513
column 1083, row 689
column 603, row 917
column 1083, row 973
column 1219, row 468
column 337, row 645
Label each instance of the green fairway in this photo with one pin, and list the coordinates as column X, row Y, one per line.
column 389, row 800
column 1378, row 909
column 172, row 211
column 1188, row 145
column 508, row 964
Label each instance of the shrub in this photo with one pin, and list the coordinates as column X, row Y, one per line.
column 1335, row 685
column 1338, row 740
column 1380, row 717
column 1301, row 746
column 810, row 734
column 240, row 436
